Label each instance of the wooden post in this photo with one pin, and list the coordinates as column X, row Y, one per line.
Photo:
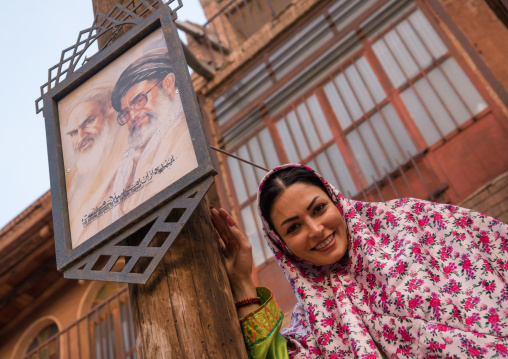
column 186, row 309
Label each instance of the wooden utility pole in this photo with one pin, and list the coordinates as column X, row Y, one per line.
column 186, row 309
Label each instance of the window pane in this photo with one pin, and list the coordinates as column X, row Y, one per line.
column 319, row 119
column 268, row 251
column 434, row 106
column 375, row 150
column 428, row 34
column 289, row 147
column 339, row 165
column 449, row 96
column 296, row 131
column 308, row 127
column 464, row 86
column 236, row 177
column 387, row 141
column 362, row 94
column 325, row 169
column 248, row 171
column 337, row 105
column 361, row 156
column 268, row 148
column 257, row 157
column 414, row 44
column 370, row 79
column 389, row 64
column 403, row 56
column 252, row 235
column 398, row 129
column 347, row 95
column 419, row 116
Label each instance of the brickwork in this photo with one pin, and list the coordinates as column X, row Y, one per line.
column 491, row 199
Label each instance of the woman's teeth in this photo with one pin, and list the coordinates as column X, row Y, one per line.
column 324, row 244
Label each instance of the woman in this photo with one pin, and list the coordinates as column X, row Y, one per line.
column 403, row 278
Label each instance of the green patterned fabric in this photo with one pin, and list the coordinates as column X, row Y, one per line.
column 261, row 329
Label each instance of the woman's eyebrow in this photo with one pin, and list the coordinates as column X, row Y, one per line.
column 312, row 202
column 288, row 220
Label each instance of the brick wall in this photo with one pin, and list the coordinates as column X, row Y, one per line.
column 491, row 199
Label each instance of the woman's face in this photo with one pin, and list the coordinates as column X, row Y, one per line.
column 310, row 224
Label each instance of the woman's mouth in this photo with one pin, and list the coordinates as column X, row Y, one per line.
column 326, row 244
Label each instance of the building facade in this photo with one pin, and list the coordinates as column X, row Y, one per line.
column 385, row 98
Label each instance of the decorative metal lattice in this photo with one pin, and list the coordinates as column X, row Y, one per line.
column 104, row 25
column 134, row 255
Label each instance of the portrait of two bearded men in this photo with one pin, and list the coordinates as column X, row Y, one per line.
column 124, row 138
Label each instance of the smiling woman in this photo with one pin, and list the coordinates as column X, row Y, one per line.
column 373, row 280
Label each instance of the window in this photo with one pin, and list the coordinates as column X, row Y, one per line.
column 260, row 150
column 435, row 90
column 45, row 349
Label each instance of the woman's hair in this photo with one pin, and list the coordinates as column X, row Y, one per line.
column 279, row 182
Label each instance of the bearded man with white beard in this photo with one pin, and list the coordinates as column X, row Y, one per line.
column 93, row 132
column 160, row 152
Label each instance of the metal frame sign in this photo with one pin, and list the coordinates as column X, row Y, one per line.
column 128, row 155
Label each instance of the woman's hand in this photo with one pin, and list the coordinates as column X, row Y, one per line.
column 237, row 254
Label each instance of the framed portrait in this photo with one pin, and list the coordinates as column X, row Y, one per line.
column 125, row 137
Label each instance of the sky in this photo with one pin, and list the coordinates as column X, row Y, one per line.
column 32, row 38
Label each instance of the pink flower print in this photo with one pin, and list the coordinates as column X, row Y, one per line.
column 493, row 319
column 489, row 286
column 415, row 302
column 351, row 213
column 473, row 351
column 416, row 250
column 422, row 222
column 448, row 340
column 477, row 256
column 426, row 289
column 442, row 328
column 435, row 302
column 463, row 222
column 418, row 208
column 430, row 239
column 487, row 266
column 370, row 242
column 452, row 208
column 501, row 348
column 327, row 322
column 278, row 255
column 401, row 268
column 409, row 216
column 334, row 356
column 472, row 319
column 377, row 224
column 455, row 288
column 301, row 292
column 466, row 264
column 329, row 303
column 404, row 334
column 438, row 217
column 484, row 239
column 390, row 217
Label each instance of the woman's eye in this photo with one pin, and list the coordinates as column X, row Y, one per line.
column 319, row 208
column 292, row 228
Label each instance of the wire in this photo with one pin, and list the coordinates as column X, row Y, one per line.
column 238, row 158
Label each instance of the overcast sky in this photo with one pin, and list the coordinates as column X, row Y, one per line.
column 33, row 35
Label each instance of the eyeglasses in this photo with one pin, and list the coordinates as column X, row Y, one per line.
column 139, row 101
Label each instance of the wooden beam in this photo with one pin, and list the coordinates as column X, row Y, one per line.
column 200, row 67
column 198, row 33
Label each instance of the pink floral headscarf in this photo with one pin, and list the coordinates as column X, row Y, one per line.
column 423, row 280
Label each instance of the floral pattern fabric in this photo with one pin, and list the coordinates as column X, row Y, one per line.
column 422, row 280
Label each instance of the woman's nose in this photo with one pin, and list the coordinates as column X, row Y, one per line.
column 315, row 229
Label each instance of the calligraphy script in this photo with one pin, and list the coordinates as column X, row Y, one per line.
column 115, row 200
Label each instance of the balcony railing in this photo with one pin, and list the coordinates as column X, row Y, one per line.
column 106, row 332
column 234, row 23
